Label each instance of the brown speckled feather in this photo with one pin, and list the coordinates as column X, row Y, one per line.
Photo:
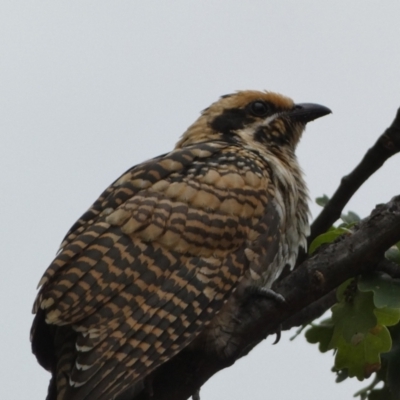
column 148, row 267
column 151, row 263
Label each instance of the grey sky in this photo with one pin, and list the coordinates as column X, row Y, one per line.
column 88, row 89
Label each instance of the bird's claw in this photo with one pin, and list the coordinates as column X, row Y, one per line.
column 271, row 295
column 265, row 292
column 278, row 334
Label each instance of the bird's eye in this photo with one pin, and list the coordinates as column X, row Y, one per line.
column 259, row 108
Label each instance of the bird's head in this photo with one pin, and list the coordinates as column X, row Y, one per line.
column 256, row 119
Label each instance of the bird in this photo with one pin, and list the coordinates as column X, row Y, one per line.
column 152, row 262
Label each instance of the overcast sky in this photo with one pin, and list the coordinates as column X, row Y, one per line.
column 90, row 88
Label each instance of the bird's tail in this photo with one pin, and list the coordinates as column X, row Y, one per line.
column 54, row 348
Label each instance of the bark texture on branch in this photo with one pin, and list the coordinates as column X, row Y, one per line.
column 353, row 254
column 318, row 307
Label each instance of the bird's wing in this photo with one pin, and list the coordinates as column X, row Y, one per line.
column 150, row 264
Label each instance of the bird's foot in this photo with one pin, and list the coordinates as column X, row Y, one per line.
column 271, row 295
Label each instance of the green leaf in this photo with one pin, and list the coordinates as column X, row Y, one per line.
column 322, row 201
column 350, row 218
column 386, row 290
column 358, row 332
column 346, row 289
column 353, row 319
column 365, row 393
column 393, row 364
column 357, row 336
column 341, row 375
column 393, row 254
column 321, row 334
column 362, row 357
column 387, row 316
column 327, row 237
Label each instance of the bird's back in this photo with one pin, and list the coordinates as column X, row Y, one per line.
column 148, row 266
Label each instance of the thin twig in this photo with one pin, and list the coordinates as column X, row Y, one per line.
column 386, row 146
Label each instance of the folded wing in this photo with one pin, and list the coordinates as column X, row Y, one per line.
column 147, row 267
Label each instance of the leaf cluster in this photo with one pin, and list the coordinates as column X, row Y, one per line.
column 363, row 329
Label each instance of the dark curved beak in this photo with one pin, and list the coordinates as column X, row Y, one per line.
column 306, row 112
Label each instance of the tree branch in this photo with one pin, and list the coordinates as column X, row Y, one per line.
column 363, row 250
column 386, row 146
column 311, row 312
column 316, row 309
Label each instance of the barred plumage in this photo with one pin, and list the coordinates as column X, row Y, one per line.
column 146, row 269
